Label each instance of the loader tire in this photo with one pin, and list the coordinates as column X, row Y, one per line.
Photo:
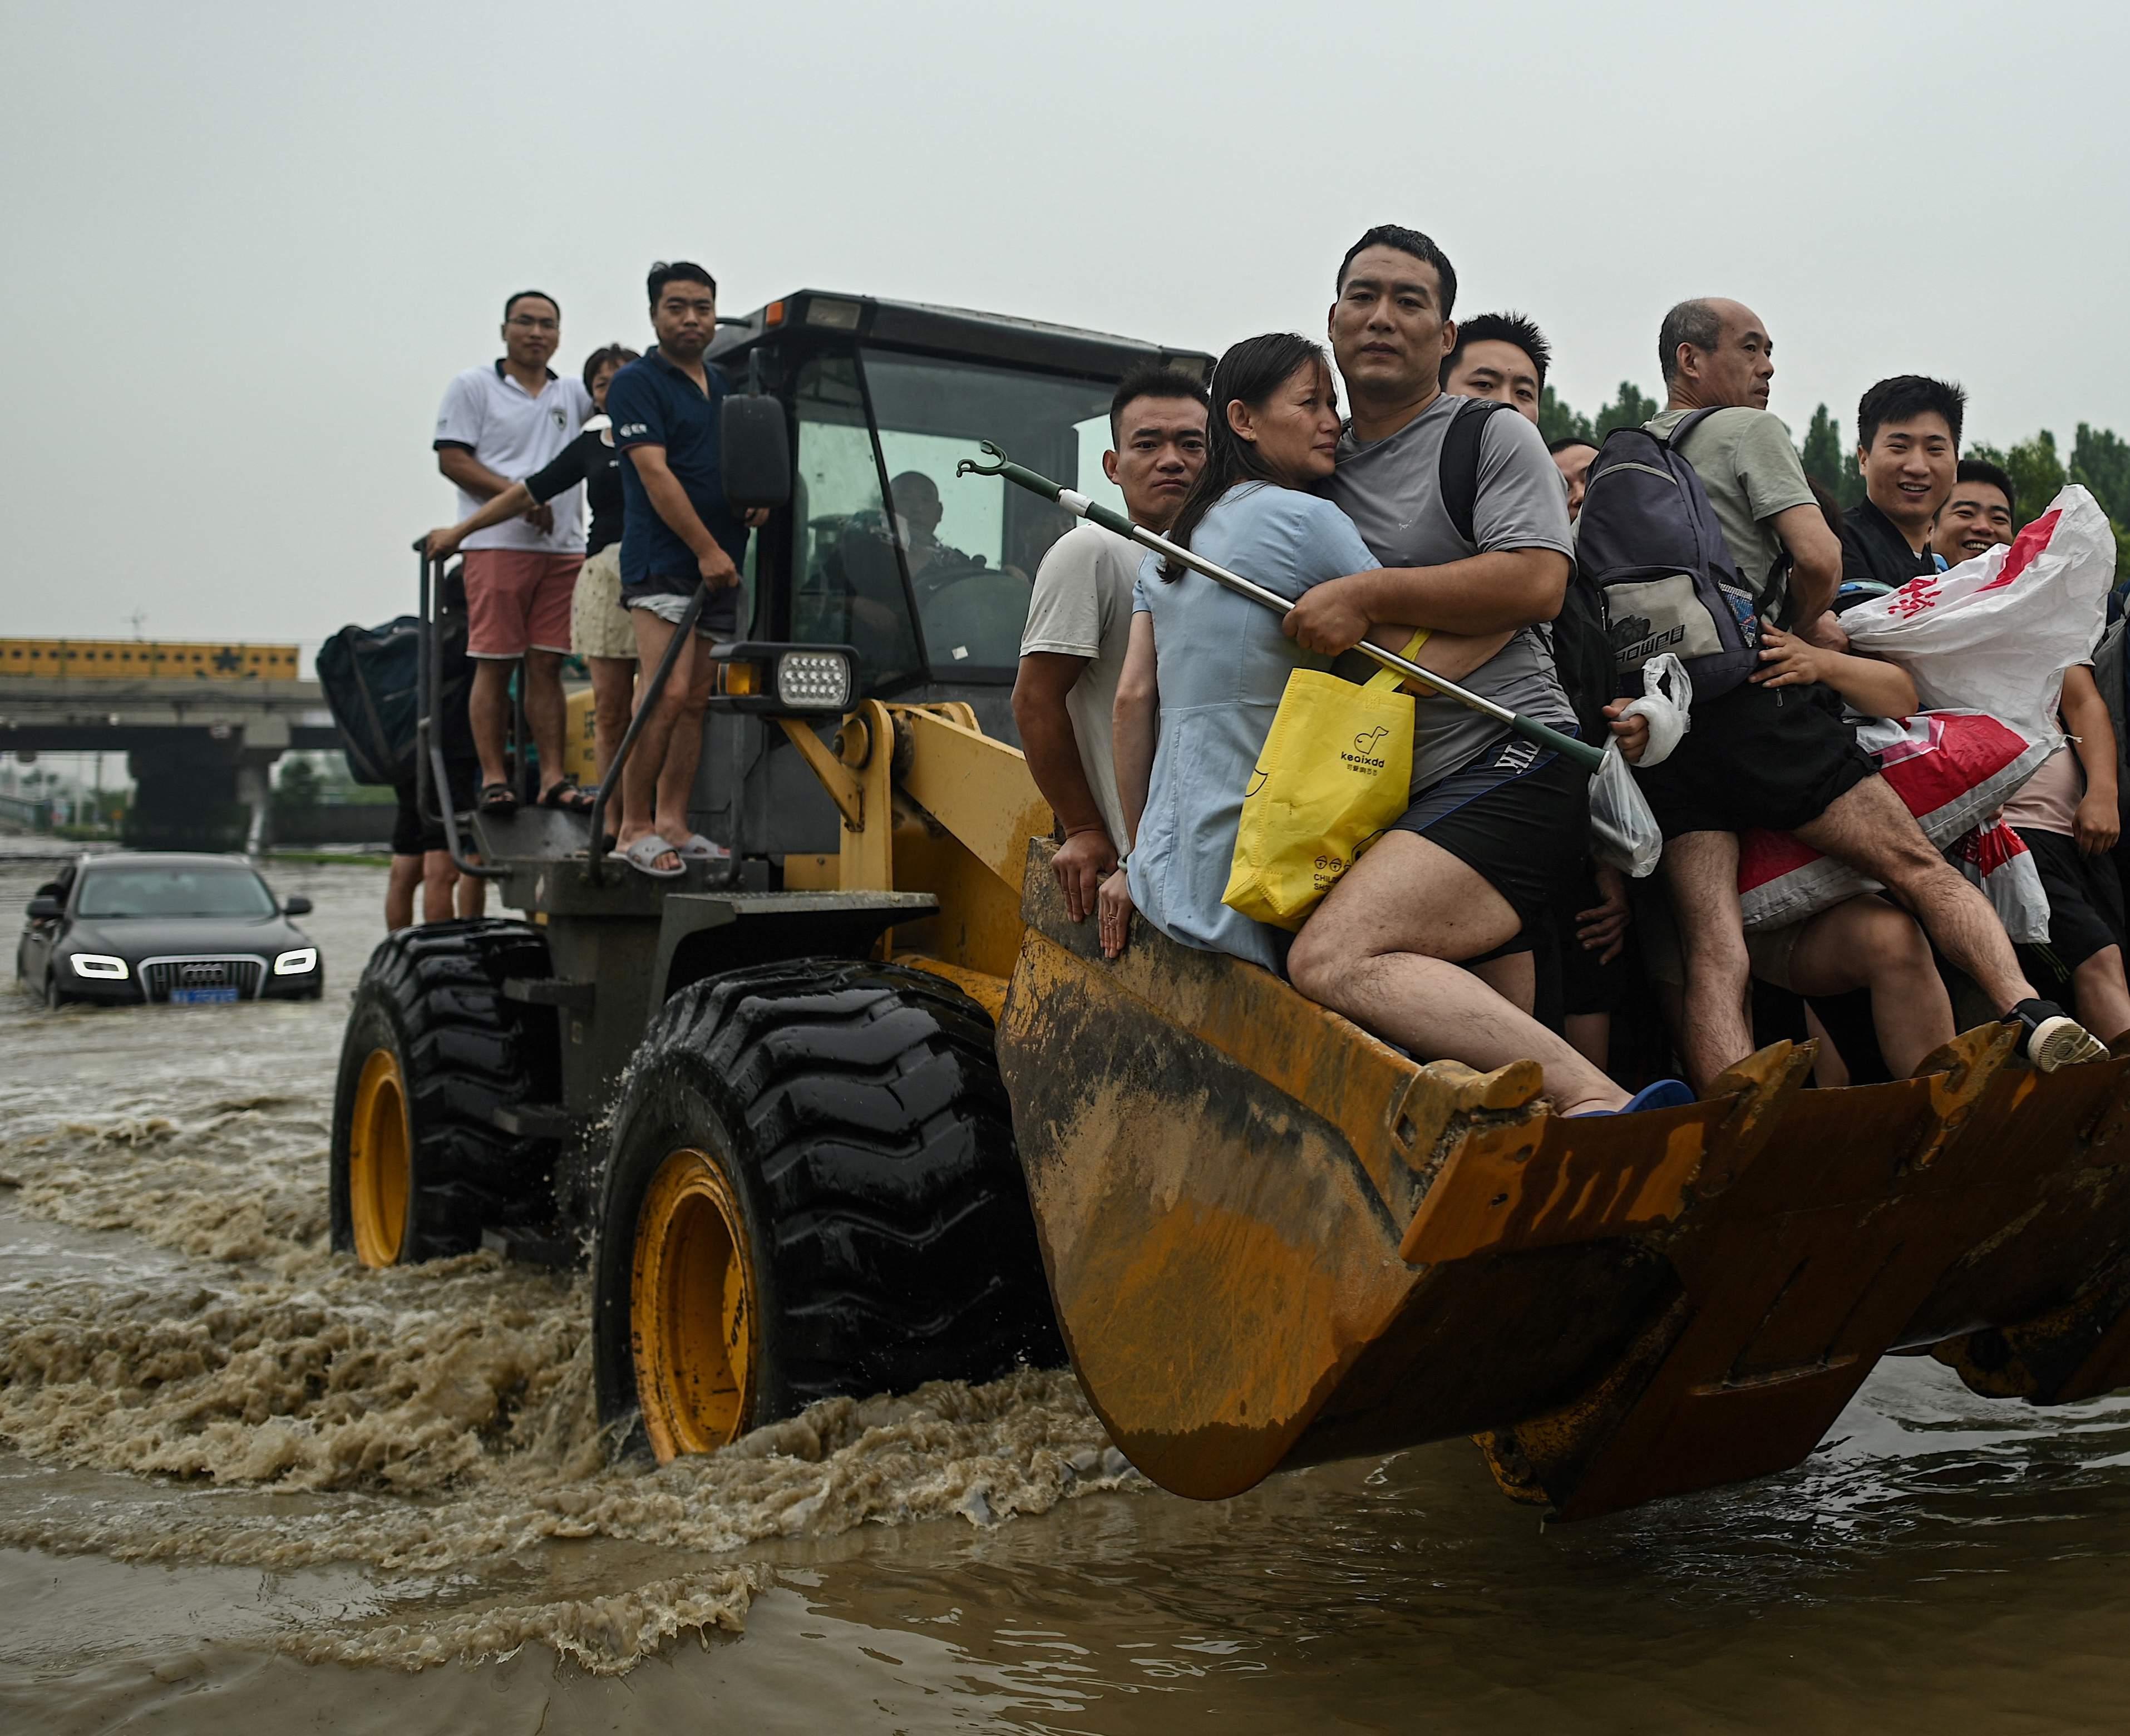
column 812, row 1189
column 432, row 1046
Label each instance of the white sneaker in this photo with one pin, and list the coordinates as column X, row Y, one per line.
column 2062, row 1041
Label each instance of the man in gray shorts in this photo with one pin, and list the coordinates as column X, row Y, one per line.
column 677, row 532
column 1495, row 823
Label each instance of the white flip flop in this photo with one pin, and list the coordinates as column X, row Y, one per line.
column 646, row 852
column 696, row 848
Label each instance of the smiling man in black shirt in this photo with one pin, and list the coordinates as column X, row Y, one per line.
column 1908, row 433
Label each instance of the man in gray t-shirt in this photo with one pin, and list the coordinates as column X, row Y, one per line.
column 1400, row 944
column 1390, row 488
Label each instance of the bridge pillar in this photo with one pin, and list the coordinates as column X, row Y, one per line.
column 255, row 791
column 185, row 795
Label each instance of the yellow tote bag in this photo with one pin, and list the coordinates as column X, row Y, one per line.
column 1336, row 769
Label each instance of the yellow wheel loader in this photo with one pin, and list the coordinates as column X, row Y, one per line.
column 863, row 1108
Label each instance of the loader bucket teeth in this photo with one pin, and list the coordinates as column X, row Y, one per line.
column 1272, row 1239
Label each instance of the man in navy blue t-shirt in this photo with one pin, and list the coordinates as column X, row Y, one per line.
column 677, row 531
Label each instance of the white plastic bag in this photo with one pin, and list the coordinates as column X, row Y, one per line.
column 1997, row 860
column 1996, row 633
column 1623, row 832
column 1667, row 701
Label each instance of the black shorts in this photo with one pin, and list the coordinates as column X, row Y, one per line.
column 1773, row 756
column 412, row 836
column 2085, row 899
column 1517, row 816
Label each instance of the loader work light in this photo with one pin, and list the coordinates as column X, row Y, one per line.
column 814, row 681
column 769, row 678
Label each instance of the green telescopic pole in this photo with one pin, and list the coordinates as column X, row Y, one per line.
column 1580, row 753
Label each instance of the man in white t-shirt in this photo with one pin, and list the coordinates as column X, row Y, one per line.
column 500, row 423
column 1079, row 622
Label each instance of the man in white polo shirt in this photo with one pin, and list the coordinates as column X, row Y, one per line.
column 498, row 424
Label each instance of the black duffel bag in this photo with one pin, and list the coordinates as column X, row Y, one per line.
column 371, row 678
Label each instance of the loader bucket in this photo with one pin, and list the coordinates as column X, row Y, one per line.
column 1272, row 1240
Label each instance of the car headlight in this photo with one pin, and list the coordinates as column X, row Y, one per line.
column 102, row 966
column 814, row 681
column 296, row 963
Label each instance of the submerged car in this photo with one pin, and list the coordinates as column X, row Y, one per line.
column 168, row 930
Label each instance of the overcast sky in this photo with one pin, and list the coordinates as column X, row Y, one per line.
column 243, row 247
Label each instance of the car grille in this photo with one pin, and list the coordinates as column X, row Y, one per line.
column 160, row 976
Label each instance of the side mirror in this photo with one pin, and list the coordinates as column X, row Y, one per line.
column 754, row 451
column 297, row 906
column 46, row 908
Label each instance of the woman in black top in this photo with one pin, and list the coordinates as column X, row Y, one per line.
column 599, row 629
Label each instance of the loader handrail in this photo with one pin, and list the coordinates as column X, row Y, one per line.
column 1582, row 753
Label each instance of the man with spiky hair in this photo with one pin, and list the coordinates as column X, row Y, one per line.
column 1908, row 445
column 1503, row 356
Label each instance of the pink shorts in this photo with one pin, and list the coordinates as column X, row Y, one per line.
column 519, row 599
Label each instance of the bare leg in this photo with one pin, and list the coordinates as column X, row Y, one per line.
column 472, row 892
column 488, row 711
column 545, row 709
column 613, row 694
column 1383, row 949
column 1870, row 828
column 1829, row 1072
column 1865, row 943
column 439, row 874
column 647, row 760
column 1513, row 976
column 2103, row 998
column 400, row 880
column 690, row 691
column 1590, row 1034
column 1714, row 1032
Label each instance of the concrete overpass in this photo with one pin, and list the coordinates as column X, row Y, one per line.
column 201, row 726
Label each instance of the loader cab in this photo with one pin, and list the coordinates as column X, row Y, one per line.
column 883, row 547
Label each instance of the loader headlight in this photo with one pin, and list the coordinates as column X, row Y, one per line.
column 101, row 965
column 296, row 963
column 814, row 681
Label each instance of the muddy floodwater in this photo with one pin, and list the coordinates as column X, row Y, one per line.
column 247, row 1486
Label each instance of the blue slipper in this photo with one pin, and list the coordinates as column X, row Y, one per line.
column 1666, row 1093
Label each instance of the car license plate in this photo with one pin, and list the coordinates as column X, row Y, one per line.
column 202, row 997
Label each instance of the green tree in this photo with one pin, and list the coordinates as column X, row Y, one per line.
column 2035, row 470
column 1828, row 460
column 296, row 790
column 2100, row 459
column 1629, row 408
column 1556, row 421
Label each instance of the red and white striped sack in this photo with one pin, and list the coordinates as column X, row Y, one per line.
column 1952, row 768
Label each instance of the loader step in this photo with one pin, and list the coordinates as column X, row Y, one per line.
column 533, row 1120
column 551, row 991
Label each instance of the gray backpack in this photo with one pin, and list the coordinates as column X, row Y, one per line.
column 1650, row 542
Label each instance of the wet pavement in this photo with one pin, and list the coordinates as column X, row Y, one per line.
column 246, row 1485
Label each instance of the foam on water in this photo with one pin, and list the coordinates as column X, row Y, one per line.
column 433, row 1421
